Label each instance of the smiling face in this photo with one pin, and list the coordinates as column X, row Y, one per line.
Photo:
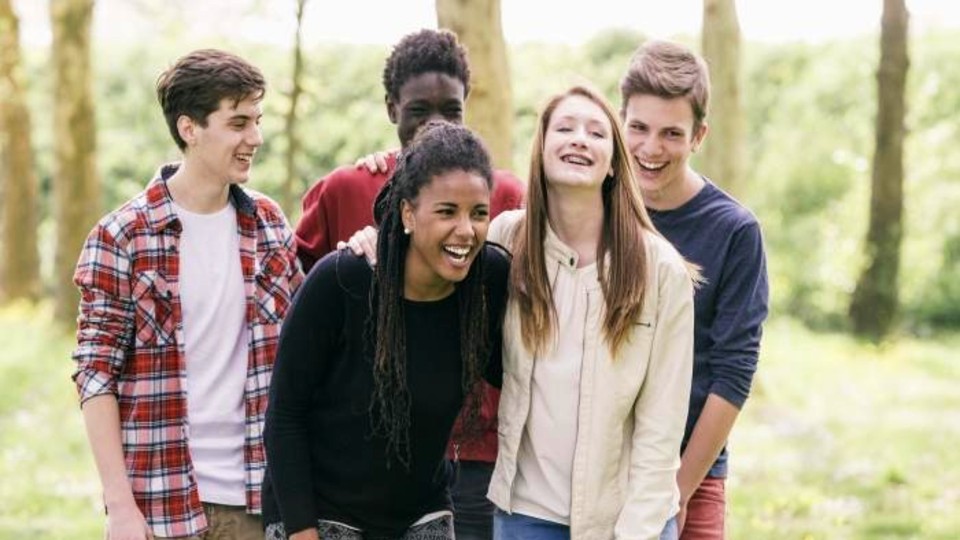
column 448, row 224
column 577, row 144
column 660, row 137
column 424, row 97
column 223, row 149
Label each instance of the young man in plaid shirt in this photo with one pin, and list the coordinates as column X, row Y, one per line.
column 183, row 291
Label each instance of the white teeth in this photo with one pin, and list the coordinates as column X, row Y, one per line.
column 652, row 165
column 457, row 251
column 577, row 160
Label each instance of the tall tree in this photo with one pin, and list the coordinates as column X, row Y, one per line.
column 873, row 307
column 477, row 23
column 76, row 186
column 722, row 156
column 289, row 197
column 20, row 256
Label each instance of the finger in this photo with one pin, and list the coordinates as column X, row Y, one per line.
column 354, row 246
column 381, row 162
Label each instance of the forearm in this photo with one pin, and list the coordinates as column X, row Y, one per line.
column 101, row 414
column 707, row 440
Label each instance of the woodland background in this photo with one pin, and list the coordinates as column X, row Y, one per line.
column 848, row 151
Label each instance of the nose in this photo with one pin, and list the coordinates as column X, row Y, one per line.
column 255, row 136
column 464, row 226
column 651, row 145
column 579, row 137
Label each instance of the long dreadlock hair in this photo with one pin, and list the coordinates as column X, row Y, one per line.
column 439, row 147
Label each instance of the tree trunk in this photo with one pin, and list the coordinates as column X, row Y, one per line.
column 722, row 155
column 873, row 308
column 490, row 110
column 20, row 256
column 290, row 195
column 76, row 187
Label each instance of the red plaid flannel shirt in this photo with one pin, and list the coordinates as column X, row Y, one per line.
column 130, row 342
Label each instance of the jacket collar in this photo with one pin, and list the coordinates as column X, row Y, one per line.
column 160, row 212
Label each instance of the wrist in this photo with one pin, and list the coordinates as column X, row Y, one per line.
column 118, row 500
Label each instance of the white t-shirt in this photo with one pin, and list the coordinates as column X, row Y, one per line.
column 213, row 301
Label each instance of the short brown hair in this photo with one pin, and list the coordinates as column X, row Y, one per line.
column 668, row 70
column 197, row 82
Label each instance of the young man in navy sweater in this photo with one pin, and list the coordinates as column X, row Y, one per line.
column 665, row 95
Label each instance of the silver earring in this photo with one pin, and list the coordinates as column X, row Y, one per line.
column 406, row 230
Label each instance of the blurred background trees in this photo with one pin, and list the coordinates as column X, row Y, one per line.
column 875, row 300
column 20, row 253
column 76, row 179
column 722, row 157
column 809, row 134
column 477, row 24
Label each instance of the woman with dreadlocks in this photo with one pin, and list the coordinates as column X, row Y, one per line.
column 374, row 365
column 597, row 341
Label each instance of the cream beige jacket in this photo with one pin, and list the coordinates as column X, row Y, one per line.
column 633, row 408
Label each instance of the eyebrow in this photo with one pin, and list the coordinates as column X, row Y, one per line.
column 244, row 117
column 453, row 204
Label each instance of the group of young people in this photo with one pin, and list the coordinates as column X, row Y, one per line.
column 617, row 302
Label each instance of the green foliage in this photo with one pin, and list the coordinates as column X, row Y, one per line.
column 810, row 121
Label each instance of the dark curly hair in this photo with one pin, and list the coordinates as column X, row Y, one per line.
column 197, row 82
column 439, row 147
column 425, row 51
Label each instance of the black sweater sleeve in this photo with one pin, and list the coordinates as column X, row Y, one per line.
column 307, row 341
column 496, row 276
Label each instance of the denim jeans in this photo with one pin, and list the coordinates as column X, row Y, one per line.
column 671, row 530
column 472, row 511
column 520, row 527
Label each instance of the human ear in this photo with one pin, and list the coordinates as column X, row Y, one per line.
column 391, row 108
column 187, row 129
column 699, row 136
column 406, row 215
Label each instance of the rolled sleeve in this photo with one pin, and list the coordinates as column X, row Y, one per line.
column 105, row 323
column 741, row 308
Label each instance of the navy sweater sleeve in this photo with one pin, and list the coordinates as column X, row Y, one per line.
column 740, row 309
column 308, row 337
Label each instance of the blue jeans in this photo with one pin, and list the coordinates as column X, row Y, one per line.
column 472, row 511
column 671, row 531
column 520, row 527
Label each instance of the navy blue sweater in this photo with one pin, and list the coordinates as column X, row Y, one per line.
column 714, row 231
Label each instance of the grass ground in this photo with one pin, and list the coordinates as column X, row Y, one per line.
column 841, row 440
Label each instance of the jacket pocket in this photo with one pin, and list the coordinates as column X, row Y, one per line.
column 153, row 298
column 273, row 288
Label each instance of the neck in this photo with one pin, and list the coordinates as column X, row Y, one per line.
column 422, row 284
column 427, row 292
column 197, row 193
column 676, row 195
column 576, row 216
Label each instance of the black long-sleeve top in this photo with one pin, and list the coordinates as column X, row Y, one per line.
column 324, row 461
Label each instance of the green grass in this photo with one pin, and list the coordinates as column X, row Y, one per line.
column 49, row 488
column 845, row 440
column 841, row 440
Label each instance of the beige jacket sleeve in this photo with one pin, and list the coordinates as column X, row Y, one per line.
column 660, row 411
